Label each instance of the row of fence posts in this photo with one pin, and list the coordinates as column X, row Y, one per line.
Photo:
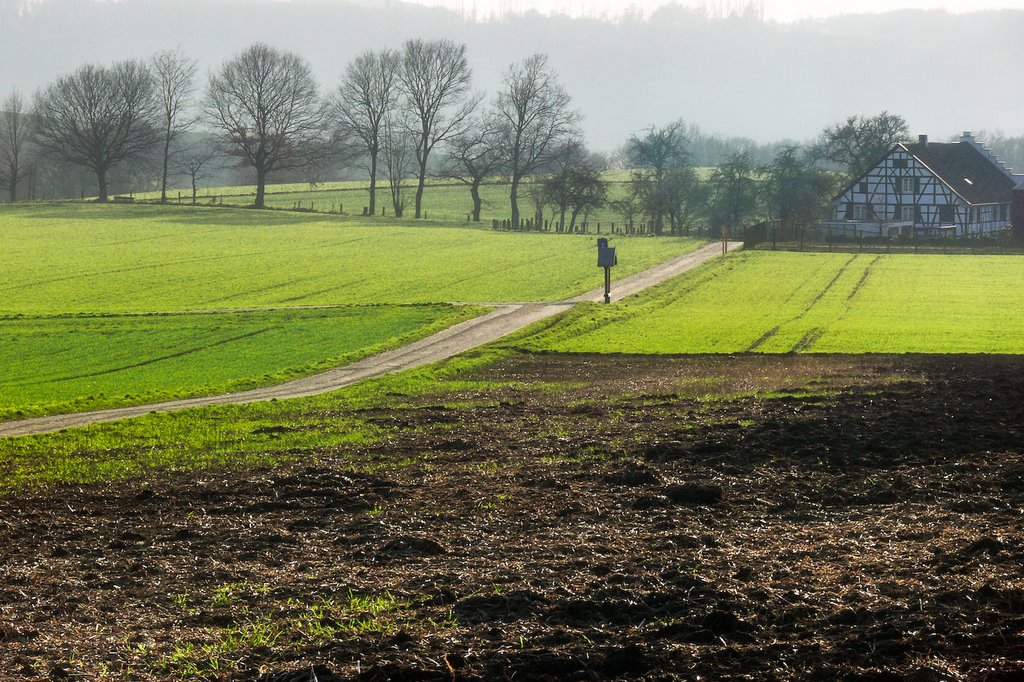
column 529, row 225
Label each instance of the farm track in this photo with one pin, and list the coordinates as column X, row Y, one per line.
column 508, row 318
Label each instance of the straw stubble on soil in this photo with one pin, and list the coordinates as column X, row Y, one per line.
column 659, row 518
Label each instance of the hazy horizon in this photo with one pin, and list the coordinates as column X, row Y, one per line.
column 782, row 11
column 763, row 81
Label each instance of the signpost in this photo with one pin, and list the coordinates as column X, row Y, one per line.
column 606, row 259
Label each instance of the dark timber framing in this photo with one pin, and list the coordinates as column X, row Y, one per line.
column 928, row 188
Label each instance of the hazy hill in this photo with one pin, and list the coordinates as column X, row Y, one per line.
column 737, row 77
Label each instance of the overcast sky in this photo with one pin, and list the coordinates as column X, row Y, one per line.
column 777, row 10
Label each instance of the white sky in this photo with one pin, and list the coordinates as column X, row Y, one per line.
column 777, row 10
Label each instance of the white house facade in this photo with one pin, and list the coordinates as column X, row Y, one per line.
column 928, row 188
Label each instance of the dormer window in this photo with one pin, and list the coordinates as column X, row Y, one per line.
column 969, row 181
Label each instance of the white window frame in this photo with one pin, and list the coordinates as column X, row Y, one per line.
column 906, row 185
column 907, row 214
column 860, row 212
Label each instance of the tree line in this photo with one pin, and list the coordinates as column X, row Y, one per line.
column 404, row 115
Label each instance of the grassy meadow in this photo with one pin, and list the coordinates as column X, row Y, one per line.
column 50, row 365
column 84, row 258
column 103, row 306
column 444, row 200
column 778, row 302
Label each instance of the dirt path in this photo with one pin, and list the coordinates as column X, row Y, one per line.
column 445, row 344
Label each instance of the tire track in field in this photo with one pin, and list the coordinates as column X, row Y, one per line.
column 160, row 358
column 812, row 335
column 445, row 344
column 764, row 338
column 862, row 280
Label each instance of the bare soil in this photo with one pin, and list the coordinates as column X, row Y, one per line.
column 616, row 517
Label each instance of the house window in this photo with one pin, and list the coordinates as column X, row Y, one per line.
column 862, row 187
column 907, row 185
column 907, row 213
column 859, row 212
column 899, row 163
column 947, row 214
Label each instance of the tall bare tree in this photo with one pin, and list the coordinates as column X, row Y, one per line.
column 471, row 157
column 14, row 141
column 435, row 78
column 533, row 115
column 366, row 95
column 98, row 117
column 267, row 108
column 175, row 76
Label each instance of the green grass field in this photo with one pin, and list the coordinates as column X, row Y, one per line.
column 784, row 302
column 71, row 258
column 445, row 200
column 50, row 365
column 80, row 285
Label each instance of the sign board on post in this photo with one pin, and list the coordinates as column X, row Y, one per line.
column 606, row 259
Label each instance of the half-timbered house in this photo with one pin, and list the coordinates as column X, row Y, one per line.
column 957, row 188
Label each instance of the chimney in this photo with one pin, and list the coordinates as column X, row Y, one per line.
column 922, row 139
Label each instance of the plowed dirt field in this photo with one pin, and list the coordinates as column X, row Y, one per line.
column 613, row 517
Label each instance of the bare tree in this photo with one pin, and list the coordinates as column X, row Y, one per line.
column 661, row 172
column 14, row 141
column 575, row 184
column 533, row 116
column 175, row 75
column 196, row 164
column 858, row 142
column 266, row 105
column 435, row 77
column 98, row 117
column 471, row 157
column 367, row 93
column 399, row 150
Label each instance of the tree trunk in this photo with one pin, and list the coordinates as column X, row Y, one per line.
column 14, row 184
column 514, row 196
column 373, row 183
column 474, row 191
column 419, row 187
column 261, row 188
column 101, row 181
column 163, row 177
column 572, row 219
column 194, row 190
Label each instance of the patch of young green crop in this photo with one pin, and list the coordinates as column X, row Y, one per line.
column 231, row 437
column 772, row 302
column 52, row 365
column 267, row 627
column 74, row 258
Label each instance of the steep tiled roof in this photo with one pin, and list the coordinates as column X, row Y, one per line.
column 968, row 171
